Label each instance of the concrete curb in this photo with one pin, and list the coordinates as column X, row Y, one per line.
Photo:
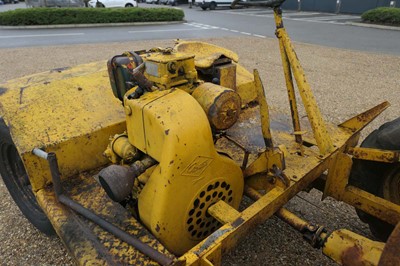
column 375, row 26
column 97, row 25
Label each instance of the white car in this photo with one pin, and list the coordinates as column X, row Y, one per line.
column 212, row 4
column 113, row 3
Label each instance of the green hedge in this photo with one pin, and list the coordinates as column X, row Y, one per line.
column 382, row 15
column 54, row 16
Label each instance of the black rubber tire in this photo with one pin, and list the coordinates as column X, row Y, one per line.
column 371, row 176
column 16, row 180
column 128, row 5
column 213, row 5
column 204, row 8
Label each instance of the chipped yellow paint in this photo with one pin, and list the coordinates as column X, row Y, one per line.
column 71, row 112
column 348, row 248
column 223, row 212
column 190, row 176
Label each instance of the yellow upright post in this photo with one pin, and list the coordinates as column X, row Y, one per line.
column 321, row 135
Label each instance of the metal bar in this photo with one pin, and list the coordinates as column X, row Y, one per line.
column 285, row 215
column 358, row 122
column 55, row 174
column 289, row 85
column 136, row 243
column 369, row 203
column 318, row 126
column 375, row 155
column 40, row 153
column 139, row 245
column 264, row 112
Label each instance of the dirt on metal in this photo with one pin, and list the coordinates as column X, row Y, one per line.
column 344, row 82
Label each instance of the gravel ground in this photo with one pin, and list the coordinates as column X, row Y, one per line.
column 344, row 82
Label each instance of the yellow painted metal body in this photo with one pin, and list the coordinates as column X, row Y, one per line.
column 168, row 70
column 348, row 248
column 190, row 176
column 189, row 199
column 62, row 111
column 221, row 105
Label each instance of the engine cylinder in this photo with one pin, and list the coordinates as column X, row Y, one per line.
column 222, row 105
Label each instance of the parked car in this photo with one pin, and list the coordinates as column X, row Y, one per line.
column 54, row 3
column 173, row 2
column 113, row 3
column 9, row 1
column 212, row 4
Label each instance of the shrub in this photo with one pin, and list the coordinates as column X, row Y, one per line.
column 382, row 15
column 53, row 16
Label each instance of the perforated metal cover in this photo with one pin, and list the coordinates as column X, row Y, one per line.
column 199, row 223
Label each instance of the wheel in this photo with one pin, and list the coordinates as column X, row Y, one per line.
column 204, row 8
column 380, row 179
column 213, row 5
column 128, row 5
column 17, row 182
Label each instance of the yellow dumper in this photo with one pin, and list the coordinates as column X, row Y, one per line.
column 146, row 160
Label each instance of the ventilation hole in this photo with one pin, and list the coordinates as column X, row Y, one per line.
column 205, row 233
column 208, row 198
column 202, row 224
column 228, row 187
column 230, row 199
column 220, row 194
column 198, row 221
column 199, row 234
column 191, row 228
column 208, row 224
column 196, row 203
column 216, row 184
column 230, row 192
column 223, row 198
column 214, row 194
column 202, row 205
column 191, row 212
column 202, row 194
column 223, row 184
column 198, row 214
column 194, row 232
column 189, row 221
column 210, row 187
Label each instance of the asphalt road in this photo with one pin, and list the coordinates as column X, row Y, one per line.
column 316, row 28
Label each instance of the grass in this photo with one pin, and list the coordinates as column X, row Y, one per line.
column 56, row 16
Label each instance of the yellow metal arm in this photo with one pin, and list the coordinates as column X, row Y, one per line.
column 321, row 135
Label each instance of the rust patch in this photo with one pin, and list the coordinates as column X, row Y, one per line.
column 391, row 252
column 21, row 92
column 237, row 222
column 167, row 132
column 3, row 90
column 59, row 70
column 352, row 256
